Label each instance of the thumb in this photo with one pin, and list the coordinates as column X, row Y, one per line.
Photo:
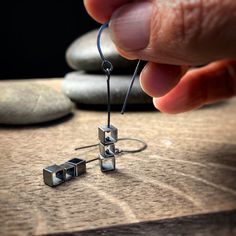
column 176, row 32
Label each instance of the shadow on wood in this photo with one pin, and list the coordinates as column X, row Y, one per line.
column 222, row 223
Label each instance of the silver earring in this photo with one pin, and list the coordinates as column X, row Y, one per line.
column 107, row 134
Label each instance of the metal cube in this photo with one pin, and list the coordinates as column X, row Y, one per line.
column 107, row 135
column 107, row 150
column 54, row 175
column 79, row 164
column 69, row 171
column 107, row 163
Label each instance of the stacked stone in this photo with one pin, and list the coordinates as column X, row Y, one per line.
column 108, row 136
column 87, row 84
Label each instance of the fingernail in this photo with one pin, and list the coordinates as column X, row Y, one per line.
column 130, row 26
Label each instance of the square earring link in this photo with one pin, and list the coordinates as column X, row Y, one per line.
column 79, row 164
column 107, row 163
column 107, row 134
column 54, row 175
column 107, row 150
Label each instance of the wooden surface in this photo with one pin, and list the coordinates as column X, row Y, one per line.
column 186, row 176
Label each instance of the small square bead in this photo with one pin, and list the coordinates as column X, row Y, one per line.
column 107, row 163
column 54, row 175
column 79, row 164
column 107, row 150
column 107, row 135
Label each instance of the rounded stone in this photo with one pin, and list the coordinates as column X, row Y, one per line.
column 31, row 103
column 92, row 89
column 83, row 54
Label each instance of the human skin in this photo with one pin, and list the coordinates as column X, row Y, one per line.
column 172, row 36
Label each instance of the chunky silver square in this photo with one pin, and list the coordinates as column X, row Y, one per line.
column 79, row 164
column 107, row 150
column 107, row 163
column 54, row 175
column 107, row 135
column 69, row 170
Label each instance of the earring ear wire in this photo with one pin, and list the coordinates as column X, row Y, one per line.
column 109, row 65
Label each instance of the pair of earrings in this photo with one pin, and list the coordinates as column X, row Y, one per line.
column 57, row 174
column 107, row 134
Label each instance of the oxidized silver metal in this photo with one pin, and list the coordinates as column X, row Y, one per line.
column 107, row 135
column 107, row 163
column 69, row 171
column 107, row 150
column 79, row 164
column 54, row 175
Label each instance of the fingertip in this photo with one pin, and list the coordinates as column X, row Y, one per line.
column 163, row 106
column 102, row 10
column 96, row 10
column 158, row 79
column 131, row 25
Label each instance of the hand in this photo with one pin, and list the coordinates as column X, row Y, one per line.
column 173, row 35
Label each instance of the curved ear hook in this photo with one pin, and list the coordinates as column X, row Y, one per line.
column 107, row 65
column 102, row 28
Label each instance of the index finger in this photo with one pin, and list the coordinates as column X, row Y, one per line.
column 101, row 10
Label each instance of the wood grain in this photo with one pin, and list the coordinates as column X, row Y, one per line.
column 188, row 169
